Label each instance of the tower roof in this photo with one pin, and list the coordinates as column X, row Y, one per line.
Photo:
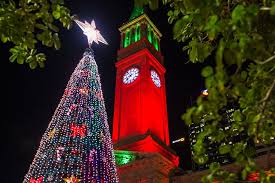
column 139, row 19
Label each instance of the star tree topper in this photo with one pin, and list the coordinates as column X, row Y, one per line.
column 93, row 35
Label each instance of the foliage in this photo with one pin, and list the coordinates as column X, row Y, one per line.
column 241, row 36
column 28, row 22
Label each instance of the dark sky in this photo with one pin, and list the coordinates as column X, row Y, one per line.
column 31, row 96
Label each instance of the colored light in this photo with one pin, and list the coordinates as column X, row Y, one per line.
column 137, row 33
column 150, row 39
column 123, row 158
column 156, row 43
column 205, row 92
column 127, row 39
column 178, row 140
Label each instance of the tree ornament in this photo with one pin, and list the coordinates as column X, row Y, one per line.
column 91, row 154
column 59, row 153
column 50, row 178
column 89, row 134
column 39, row 180
column 72, row 179
column 78, row 130
column 84, row 73
column 98, row 94
column 84, row 91
column 75, row 152
column 51, row 134
column 67, row 92
column 101, row 136
column 72, row 108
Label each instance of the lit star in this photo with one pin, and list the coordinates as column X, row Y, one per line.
column 91, row 32
column 72, row 179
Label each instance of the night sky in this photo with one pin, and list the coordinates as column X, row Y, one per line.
column 30, row 96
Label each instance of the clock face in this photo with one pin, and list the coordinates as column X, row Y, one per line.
column 131, row 75
column 155, row 78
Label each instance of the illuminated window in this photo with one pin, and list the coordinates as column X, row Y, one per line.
column 149, row 35
column 156, row 42
column 137, row 33
column 127, row 39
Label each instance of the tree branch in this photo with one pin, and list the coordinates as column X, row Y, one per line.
column 264, row 8
column 266, row 61
column 259, row 125
column 268, row 92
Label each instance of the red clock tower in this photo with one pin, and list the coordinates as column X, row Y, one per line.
column 140, row 123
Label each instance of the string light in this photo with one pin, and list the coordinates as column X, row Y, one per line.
column 77, row 145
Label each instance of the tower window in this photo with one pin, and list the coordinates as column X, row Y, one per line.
column 137, row 33
column 127, row 39
column 155, row 41
column 150, row 35
column 152, row 38
column 133, row 35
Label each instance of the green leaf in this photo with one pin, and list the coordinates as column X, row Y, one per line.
column 244, row 174
column 219, row 53
column 13, row 57
column 211, row 26
column 187, row 117
column 53, row 27
column 207, row 71
column 237, row 148
column 4, row 39
column 20, row 60
column 237, row 115
column 214, row 167
column 33, row 64
column 238, row 13
column 243, row 75
column 41, row 26
column 199, row 51
column 56, row 14
column 29, row 59
column 56, row 41
column 272, row 10
column 201, row 159
column 224, row 149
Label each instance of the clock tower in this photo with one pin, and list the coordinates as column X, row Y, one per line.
column 140, row 125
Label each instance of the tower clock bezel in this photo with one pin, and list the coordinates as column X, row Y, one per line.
column 155, row 77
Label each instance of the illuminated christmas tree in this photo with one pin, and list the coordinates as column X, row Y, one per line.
column 77, row 145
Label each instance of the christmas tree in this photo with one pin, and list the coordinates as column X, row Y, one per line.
column 77, row 145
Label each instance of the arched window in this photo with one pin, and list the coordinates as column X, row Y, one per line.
column 149, row 34
column 156, row 42
column 127, row 39
column 137, row 33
